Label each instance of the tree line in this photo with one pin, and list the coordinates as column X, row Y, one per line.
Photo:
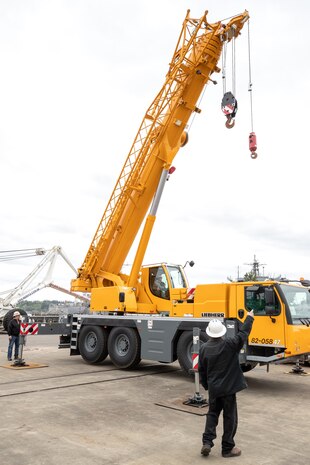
column 40, row 305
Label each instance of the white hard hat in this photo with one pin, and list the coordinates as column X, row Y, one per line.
column 16, row 314
column 216, row 329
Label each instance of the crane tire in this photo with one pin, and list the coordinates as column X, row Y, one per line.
column 185, row 349
column 245, row 367
column 93, row 343
column 124, row 346
column 9, row 316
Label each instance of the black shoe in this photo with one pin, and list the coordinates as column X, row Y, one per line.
column 235, row 452
column 9, row 359
column 205, row 450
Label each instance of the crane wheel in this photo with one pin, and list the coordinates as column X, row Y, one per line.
column 124, row 347
column 185, row 349
column 93, row 343
column 245, row 367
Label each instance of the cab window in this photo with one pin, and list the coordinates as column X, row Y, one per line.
column 254, row 299
column 298, row 300
column 158, row 282
column 176, row 277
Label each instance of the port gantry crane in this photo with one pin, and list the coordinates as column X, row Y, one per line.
column 9, row 299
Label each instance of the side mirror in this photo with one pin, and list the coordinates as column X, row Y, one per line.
column 191, row 263
column 269, row 297
column 270, row 302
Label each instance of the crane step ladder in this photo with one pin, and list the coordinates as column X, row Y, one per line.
column 75, row 328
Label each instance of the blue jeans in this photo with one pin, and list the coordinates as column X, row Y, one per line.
column 13, row 341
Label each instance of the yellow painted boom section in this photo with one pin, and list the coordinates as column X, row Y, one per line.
column 157, row 142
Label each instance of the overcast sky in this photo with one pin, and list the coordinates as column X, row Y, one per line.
column 76, row 79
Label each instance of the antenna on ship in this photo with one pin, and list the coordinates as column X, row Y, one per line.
column 255, row 266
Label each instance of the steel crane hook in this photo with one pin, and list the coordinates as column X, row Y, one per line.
column 230, row 122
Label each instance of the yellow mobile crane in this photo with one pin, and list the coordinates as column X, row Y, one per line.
column 148, row 314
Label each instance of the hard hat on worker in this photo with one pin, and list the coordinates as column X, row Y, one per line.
column 216, row 329
column 16, row 314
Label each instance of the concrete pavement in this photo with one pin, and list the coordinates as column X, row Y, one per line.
column 71, row 412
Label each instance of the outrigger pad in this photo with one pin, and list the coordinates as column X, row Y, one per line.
column 23, row 367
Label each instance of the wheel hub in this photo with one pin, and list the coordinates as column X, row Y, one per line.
column 91, row 341
column 122, row 345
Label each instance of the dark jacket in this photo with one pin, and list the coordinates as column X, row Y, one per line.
column 219, row 367
column 14, row 328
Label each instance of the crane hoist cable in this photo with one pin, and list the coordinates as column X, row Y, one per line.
column 252, row 136
column 224, row 55
column 233, row 65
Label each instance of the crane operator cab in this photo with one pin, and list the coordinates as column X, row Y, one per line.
column 166, row 282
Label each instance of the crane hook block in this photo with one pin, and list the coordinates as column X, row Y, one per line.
column 253, row 145
column 229, row 108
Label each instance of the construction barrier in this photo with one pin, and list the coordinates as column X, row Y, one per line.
column 29, row 329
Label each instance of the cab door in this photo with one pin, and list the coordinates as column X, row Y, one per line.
column 268, row 328
column 158, row 288
column 165, row 284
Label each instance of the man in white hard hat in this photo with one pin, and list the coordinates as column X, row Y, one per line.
column 13, row 333
column 221, row 375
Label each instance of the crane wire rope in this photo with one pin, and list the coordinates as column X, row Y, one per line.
column 250, row 77
column 252, row 136
column 224, row 55
column 233, row 65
